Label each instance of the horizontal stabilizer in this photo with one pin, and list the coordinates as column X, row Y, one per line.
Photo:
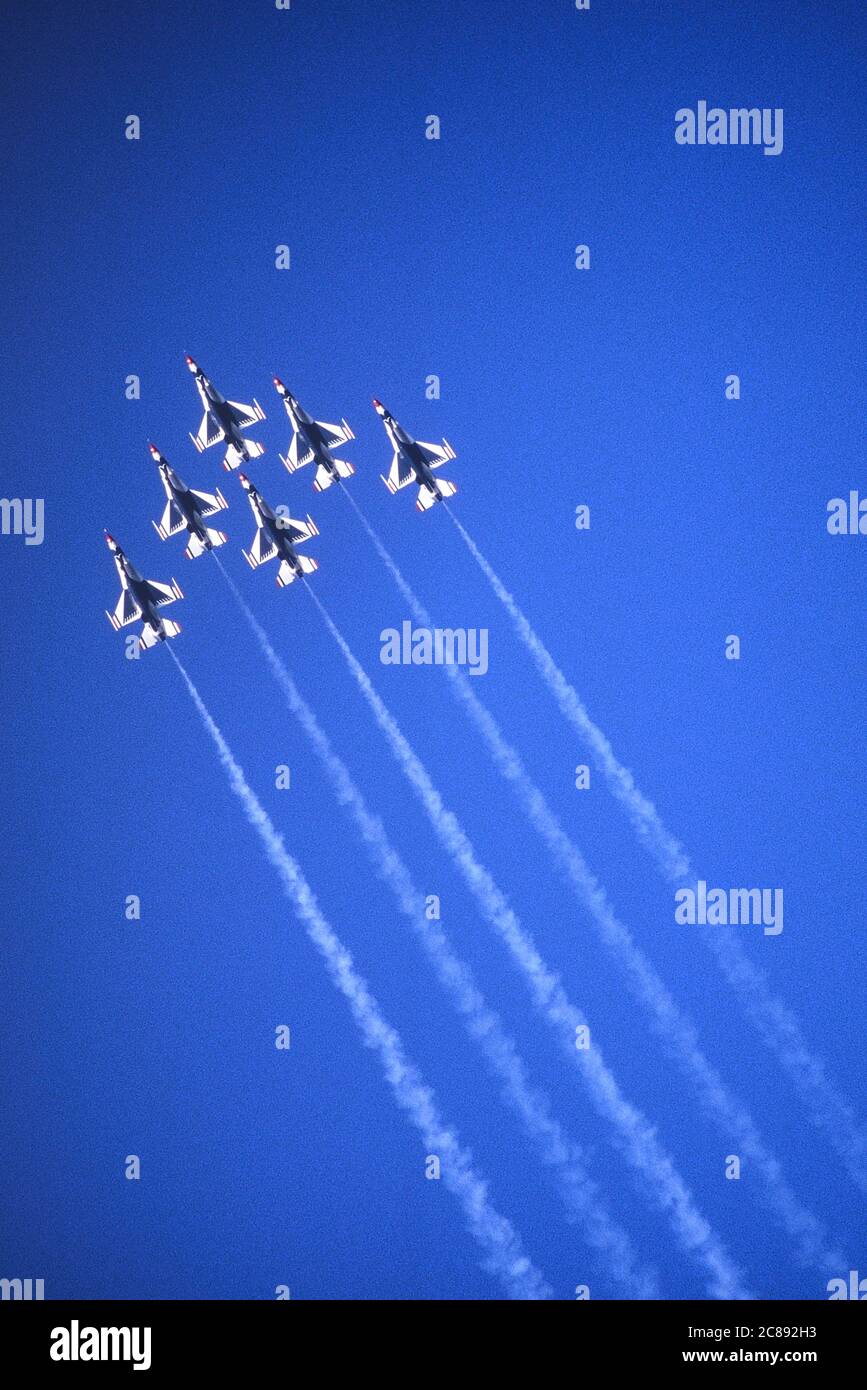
column 235, row 455
column 197, row 546
column 428, row 497
column 287, row 574
column 149, row 637
column 323, row 479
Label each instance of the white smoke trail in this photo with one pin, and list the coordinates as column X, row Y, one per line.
column 504, row 1255
column 557, row 1152
column 660, row 1181
column 676, row 1031
column 777, row 1025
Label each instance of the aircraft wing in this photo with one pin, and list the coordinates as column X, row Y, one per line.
column 436, row 454
column 162, row 594
column 262, row 549
column 209, row 502
column 335, row 435
column 126, row 611
column 400, row 474
column 297, row 531
column 245, row 415
column 299, row 452
column 209, row 432
column 171, row 522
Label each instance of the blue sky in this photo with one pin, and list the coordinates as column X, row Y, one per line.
column 410, row 257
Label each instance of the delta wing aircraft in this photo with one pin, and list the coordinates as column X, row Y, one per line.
column 186, row 510
column 140, row 598
column 224, row 420
column 278, row 536
column 313, row 442
column 414, row 462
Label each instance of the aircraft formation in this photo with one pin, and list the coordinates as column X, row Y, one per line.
column 278, row 535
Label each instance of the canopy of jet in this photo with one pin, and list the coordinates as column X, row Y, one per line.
column 278, row 535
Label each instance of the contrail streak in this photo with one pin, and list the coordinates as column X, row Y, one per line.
column 557, row 1152
column 675, row 1029
column 660, row 1181
column 504, row 1255
column 777, row 1025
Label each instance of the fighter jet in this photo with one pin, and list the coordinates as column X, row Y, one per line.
column 225, row 420
column 278, row 535
column 140, row 598
column 313, row 441
column 414, row 461
column 186, row 510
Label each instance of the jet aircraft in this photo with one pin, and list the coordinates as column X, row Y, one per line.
column 414, row 462
column 141, row 598
column 186, row 510
column 278, row 535
column 313, row 441
column 225, row 420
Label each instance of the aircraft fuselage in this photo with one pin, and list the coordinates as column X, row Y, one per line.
column 189, row 510
column 407, row 447
column 131, row 579
column 309, row 429
column 219, row 410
